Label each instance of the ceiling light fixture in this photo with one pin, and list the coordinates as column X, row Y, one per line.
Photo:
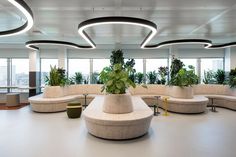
column 32, row 44
column 207, row 43
column 25, row 9
column 117, row 20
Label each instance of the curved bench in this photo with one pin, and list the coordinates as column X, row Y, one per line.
column 40, row 104
column 223, row 101
column 56, row 98
column 222, row 95
column 197, row 104
column 117, row 126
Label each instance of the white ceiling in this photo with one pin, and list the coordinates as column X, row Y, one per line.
column 175, row 19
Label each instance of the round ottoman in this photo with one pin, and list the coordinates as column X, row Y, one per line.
column 74, row 109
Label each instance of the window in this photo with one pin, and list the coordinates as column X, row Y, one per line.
column 154, row 64
column 99, row 64
column 79, row 65
column 20, row 73
column 45, row 68
column 192, row 62
column 211, row 64
column 138, row 65
column 3, row 76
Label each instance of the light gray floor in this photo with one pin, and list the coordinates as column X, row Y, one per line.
column 24, row 133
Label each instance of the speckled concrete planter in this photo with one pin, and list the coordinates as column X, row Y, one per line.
column 117, row 104
column 53, row 92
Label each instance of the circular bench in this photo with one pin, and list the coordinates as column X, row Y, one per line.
column 197, row 104
column 117, row 126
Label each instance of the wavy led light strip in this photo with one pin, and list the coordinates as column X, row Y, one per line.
column 25, row 9
column 129, row 21
column 32, row 44
column 207, row 43
column 117, row 20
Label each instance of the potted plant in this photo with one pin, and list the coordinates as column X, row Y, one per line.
column 220, row 76
column 78, row 78
column 163, row 72
column 55, row 81
column 232, row 78
column 116, row 81
column 181, row 83
column 139, row 77
column 152, row 77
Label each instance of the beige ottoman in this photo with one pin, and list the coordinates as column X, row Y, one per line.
column 13, row 99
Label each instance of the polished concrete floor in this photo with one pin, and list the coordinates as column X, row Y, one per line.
column 24, row 133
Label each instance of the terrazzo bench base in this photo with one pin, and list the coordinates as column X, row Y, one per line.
column 224, row 101
column 40, row 104
column 117, row 126
column 197, row 104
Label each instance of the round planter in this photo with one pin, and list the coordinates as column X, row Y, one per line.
column 181, row 92
column 74, row 109
column 117, row 103
column 53, row 92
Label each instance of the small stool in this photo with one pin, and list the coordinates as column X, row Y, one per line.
column 12, row 99
column 74, row 109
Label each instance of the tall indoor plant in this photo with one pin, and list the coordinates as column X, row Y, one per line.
column 182, row 81
column 55, row 82
column 116, row 81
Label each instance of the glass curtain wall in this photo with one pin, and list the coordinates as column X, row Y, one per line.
column 79, row 65
column 3, row 76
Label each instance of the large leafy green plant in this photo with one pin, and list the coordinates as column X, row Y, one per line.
column 116, row 79
column 57, row 77
column 117, row 57
column 152, row 77
column 232, row 78
column 78, row 78
column 163, row 72
column 185, row 78
column 139, row 77
column 176, row 65
column 220, row 76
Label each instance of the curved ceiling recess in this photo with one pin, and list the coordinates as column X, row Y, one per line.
column 25, row 9
column 129, row 21
column 207, row 43
column 32, row 44
column 117, row 20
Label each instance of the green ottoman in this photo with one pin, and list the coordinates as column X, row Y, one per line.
column 74, row 109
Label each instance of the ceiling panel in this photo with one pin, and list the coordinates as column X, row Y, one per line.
column 175, row 19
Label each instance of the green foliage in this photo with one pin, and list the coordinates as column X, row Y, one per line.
column 139, row 77
column 130, row 63
column 95, row 78
column 78, row 78
column 209, row 77
column 116, row 79
column 220, row 76
column 117, row 57
column 152, row 77
column 57, row 77
column 185, row 78
column 163, row 72
column 176, row 65
column 232, row 78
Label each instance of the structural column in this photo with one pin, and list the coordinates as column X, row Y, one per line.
column 62, row 58
column 34, row 73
